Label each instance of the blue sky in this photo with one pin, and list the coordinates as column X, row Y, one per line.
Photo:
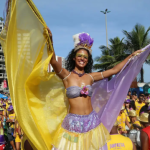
column 68, row 17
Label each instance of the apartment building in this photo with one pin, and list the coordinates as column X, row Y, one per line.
column 3, row 75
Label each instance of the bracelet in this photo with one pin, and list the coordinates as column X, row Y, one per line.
column 60, row 71
column 102, row 75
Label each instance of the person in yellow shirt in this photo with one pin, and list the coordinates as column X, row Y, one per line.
column 127, row 109
column 145, row 107
column 135, row 124
column 136, row 98
column 17, row 135
column 6, row 103
column 122, row 121
column 11, row 122
column 139, row 105
column 4, row 111
column 119, row 142
column 9, row 103
column 2, row 139
column 2, row 101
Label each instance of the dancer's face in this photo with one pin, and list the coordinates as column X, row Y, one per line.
column 81, row 58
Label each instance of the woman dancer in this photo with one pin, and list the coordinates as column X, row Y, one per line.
column 77, row 79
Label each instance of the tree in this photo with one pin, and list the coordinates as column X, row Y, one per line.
column 137, row 39
column 111, row 56
column 1, row 19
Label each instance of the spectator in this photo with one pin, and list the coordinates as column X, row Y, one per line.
column 118, row 141
column 148, row 110
column 122, row 120
column 4, row 109
column 136, row 97
column 139, row 105
column 134, row 92
column 134, row 122
column 10, row 103
column 145, row 133
column 132, row 104
column 129, row 93
column 145, row 107
column 127, row 109
column 11, row 121
column 2, row 101
column 17, row 135
column 2, row 139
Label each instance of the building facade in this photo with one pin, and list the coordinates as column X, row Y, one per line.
column 3, row 75
column 61, row 60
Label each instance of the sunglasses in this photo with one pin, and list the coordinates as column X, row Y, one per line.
column 80, row 55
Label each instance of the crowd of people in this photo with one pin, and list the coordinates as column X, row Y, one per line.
column 133, row 122
column 133, row 119
column 10, row 131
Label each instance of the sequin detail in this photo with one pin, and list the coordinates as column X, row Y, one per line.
column 81, row 123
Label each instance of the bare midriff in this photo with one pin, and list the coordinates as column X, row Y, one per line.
column 80, row 105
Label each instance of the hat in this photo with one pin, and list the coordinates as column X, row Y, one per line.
column 132, row 113
column 9, row 102
column 83, row 40
column 4, row 104
column 10, row 108
column 143, row 117
column 116, row 123
column 1, row 109
column 122, row 108
column 127, row 101
column 147, row 100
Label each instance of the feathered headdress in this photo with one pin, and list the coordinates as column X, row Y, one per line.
column 83, row 40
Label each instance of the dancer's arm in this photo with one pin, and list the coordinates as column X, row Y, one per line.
column 99, row 76
column 61, row 72
column 144, row 141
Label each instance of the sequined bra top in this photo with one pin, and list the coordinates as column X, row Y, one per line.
column 76, row 91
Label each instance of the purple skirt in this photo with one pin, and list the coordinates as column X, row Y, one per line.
column 81, row 123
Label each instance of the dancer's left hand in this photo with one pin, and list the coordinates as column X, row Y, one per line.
column 136, row 53
column 50, row 34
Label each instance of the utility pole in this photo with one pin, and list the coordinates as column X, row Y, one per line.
column 105, row 12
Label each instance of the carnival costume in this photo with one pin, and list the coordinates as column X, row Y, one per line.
column 39, row 98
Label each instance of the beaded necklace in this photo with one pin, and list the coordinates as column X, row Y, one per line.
column 79, row 74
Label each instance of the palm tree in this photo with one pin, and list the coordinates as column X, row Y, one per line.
column 111, row 56
column 137, row 39
column 1, row 19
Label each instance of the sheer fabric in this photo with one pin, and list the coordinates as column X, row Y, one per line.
column 39, row 97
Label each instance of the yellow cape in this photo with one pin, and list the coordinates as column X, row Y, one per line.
column 38, row 97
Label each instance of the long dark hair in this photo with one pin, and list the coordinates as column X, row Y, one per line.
column 70, row 63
